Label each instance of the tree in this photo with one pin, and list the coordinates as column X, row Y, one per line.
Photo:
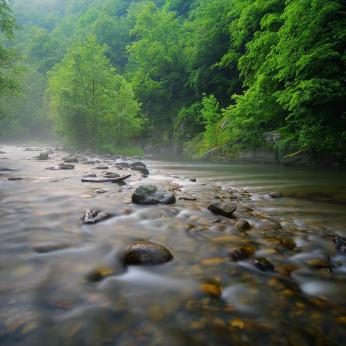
column 90, row 104
column 10, row 70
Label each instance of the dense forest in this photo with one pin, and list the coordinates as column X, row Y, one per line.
column 203, row 74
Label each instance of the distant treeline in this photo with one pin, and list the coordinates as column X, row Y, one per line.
column 225, row 70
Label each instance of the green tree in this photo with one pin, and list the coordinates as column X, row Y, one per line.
column 90, row 104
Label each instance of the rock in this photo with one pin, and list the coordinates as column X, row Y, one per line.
column 212, row 290
column 7, row 170
column 100, row 191
column 288, row 243
column 151, row 194
column 123, row 164
column 138, row 164
column 112, row 175
column 340, row 243
column 43, row 156
column 222, row 208
column 99, row 274
column 193, row 180
column 141, row 169
column 49, row 248
column 241, row 252
column 243, row 225
column 321, row 266
column 51, row 168
column 88, row 162
column 263, row 264
column 102, row 167
column 14, row 178
column 66, row 166
column 91, row 175
column 276, row 195
column 146, row 253
column 71, row 159
column 94, row 216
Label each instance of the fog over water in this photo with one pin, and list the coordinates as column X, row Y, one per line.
column 48, row 298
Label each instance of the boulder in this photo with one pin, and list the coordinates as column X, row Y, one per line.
column 222, row 208
column 71, row 159
column 123, row 164
column 263, row 264
column 141, row 169
column 276, row 194
column 146, row 253
column 43, row 156
column 66, row 166
column 138, row 163
column 243, row 225
column 340, row 243
column 151, row 194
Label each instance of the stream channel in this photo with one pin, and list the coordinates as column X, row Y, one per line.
column 64, row 283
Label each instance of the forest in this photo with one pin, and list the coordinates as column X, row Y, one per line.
column 192, row 75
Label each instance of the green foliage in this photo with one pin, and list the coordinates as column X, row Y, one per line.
column 90, row 104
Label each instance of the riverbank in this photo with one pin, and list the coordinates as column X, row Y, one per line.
column 204, row 295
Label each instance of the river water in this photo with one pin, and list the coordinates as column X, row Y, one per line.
column 48, row 298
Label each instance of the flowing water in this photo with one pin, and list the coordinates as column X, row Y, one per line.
column 48, row 298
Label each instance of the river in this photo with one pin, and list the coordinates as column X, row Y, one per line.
column 48, row 298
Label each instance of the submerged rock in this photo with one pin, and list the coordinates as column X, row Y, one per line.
column 212, row 290
column 146, row 253
column 243, row 225
column 14, row 178
column 340, row 243
column 241, row 252
column 151, row 194
column 141, row 169
column 66, row 166
column 222, row 208
column 321, row 266
column 43, row 156
column 49, row 248
column 263, row 264
column 276, row 195
column 138, row 164
column 94, row 216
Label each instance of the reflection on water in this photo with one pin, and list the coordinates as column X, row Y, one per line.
column 47, row 256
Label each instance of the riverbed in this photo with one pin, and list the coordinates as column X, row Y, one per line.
column 49, row 298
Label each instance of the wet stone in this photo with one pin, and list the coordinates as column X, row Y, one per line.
column 141, row 169
column 241, row 252
column 43, row 156
column 151, row 194
column 288, row 243
column 340, row 243
column 193, row 180
column 49, row 248
column 319, row 264
column 88, row 162
column 243, row 225
column 112, row 175
column 94, row 216
column 138, row 164
column 90, row 175
column 222, row 208
column 14, row 178
column 71, row 159
column 102, row 167
column 212, row 290
column 263, row 264
column 65, row 166
column 146, row 253
column 100, row 191
column 122, row 164
column 276, row 194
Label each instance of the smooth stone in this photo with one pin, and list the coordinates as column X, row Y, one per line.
column 276, row 194
column 71, row 159
column 112, row 175
column 49, row 248
column 66, row 166
column 141, row 169
column 94, row 216
column 123, row 164
column 340, row 243
column 7, row 170
column 318, row 264
column 43, row 156
column 263, row 264
column 100, row 191
column 14, row 178
column 146, row 253
column 288, row 243
column 102, row 167
column 151, row 194
column 51, row 169
column 243, row 225
column 88, row 162
column 91, row 175
column 212, row 290
column 193, row 180
column 222, row 208
column 138, row 164
column 241, row 252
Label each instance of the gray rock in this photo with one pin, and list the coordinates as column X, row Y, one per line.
column 263, row 264
column 138, row 163
column 276, row 194
column 141, row 169
column 102, row 167
column 94, row 216
column 123, row 164
column 88, row 162
column 243, row 225
column 66, row 166
column 43, row 156
column 112, row 175
column 49, row 248
column 71, row 159
column 151, row 194
column 340, row 243
column 146, row 253
column 193, row 180
column 222, row 208
column 91, row 175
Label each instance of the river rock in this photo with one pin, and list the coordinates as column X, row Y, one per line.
column 263, row 264
column 91, row 175
column 243, row 225
column 151, row 194
column 321, row 266
column 212, row 290
column 94, row 216
column 146, row 253
column 193, row 180
column 43, row 156
column 86, row 162
column 138, row 164
column 123, row 164
column 340, row 243
column 241, row 252
column 112, row 175
column 276, row 195
column 141, row 169
column 102, row 167
column 66, row 166
column 14, row 178
column 71, row 159
column 49, row 248
column 222, row 208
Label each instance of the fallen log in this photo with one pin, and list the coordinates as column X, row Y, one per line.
column 112, row 180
